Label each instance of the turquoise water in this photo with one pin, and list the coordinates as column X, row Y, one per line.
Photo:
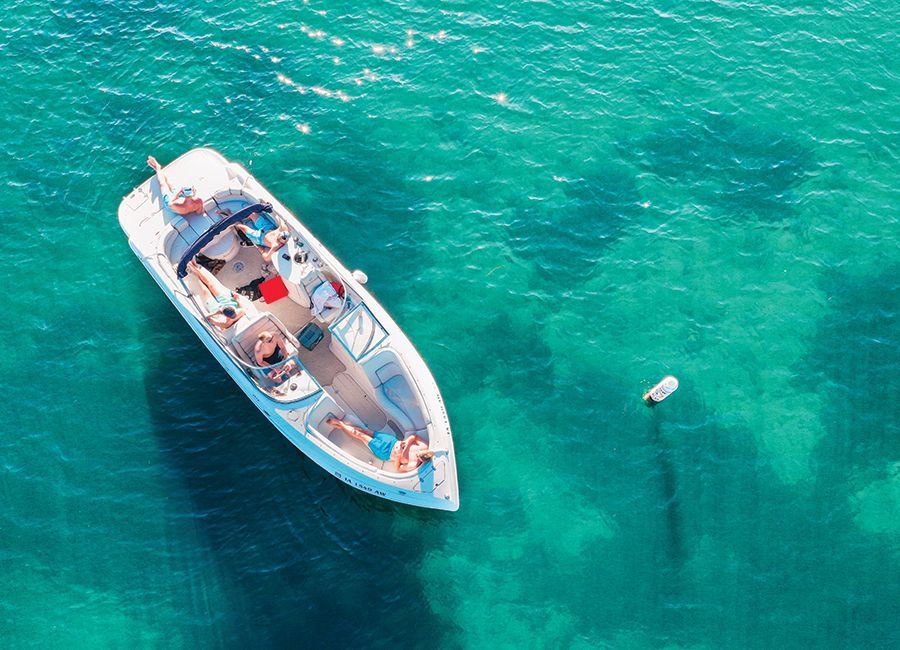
column 560, row 203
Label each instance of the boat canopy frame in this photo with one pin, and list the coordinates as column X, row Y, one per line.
column 216, row 229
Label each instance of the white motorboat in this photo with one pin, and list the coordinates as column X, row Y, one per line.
column 347, row 358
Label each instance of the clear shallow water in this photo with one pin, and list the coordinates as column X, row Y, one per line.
column 560, row 204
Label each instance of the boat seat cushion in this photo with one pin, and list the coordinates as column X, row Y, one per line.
column 324, row 409
column 387, row 372
column 394, row 414
column 229, row 194
column 400, row 394
column 200, row 223
column 381, row 366
column 397, row 397
column 178, row 223
column 175, row 244
column 232, row 198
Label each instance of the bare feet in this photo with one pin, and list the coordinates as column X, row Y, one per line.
column 153, row 163
column 340, row 424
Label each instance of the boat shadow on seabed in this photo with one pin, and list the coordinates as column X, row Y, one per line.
column 293, row 545
column 669, row 493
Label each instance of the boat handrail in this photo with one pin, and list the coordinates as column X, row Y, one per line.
column 249, row 368
column 166, row 264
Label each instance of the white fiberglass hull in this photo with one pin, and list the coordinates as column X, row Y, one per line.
column 354, row 393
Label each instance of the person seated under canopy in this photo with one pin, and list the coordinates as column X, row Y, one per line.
column 270, row 350
column 269, row 232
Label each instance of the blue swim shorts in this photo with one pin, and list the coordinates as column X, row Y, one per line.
column 264, row 224
column 382, row 444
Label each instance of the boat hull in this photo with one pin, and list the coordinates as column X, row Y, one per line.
column 432, row 486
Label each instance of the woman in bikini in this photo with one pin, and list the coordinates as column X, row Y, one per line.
column 407, row 454
column 222, row 305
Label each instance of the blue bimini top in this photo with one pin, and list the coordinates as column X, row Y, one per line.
column 215, row 229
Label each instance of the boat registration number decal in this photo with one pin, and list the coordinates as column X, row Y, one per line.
column 361, row 486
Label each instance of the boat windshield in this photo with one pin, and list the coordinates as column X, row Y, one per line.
column 359, row 331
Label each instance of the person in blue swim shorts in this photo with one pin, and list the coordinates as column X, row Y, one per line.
column 183, row 201
column 407, row 454
column 268, row 232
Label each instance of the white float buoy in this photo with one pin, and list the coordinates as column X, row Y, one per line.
column 360, row 277
column 661, row 391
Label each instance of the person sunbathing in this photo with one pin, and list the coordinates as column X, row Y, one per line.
column 270, row 350
column 224, row 307
column 184, row 201
column 407, row 454
column 269, row 233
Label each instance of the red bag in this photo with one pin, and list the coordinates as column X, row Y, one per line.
column 273, row 289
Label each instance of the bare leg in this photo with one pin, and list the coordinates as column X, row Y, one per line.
column 207, row 278
column 363, row 435
column 272, row 239
column 359, row 435
column 164, row 185
column 203, row 290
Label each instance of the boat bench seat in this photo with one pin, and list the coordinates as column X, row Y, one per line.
column 327, row 407
column 324, row 409
column 175, row 243
column 396, row 395
column 231, row 198
column 244, row 340
column 182, row 231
